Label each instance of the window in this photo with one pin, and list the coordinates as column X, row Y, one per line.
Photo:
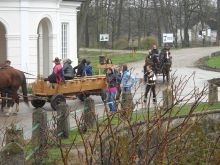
column 64, row 37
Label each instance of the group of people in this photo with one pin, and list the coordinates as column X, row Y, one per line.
column 118, row 81
column 67, row 72
column 150, row 71
column 155, row 51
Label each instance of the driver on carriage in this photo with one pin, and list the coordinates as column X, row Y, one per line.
column 154, row 56
column 154, row 50
column 7, row 63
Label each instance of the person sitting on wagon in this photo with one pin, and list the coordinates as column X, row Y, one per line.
column 80, row 68
column 7, row 63
column 87, row 70
column 57, row 75
column 68, row 69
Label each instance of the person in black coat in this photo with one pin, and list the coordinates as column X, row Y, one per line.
column 68, row 69
column 154, row 50
column 80, row 68
column 150, row 83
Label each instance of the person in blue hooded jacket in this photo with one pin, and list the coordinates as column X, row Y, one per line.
column 127, row 80
column 87, row 70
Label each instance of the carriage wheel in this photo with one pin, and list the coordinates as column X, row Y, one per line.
column 37, row 103
column 56, row 100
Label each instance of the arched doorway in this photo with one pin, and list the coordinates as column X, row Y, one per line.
column 3, row 43
column 44, row 42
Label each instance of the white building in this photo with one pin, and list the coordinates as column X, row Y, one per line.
column 34, row 32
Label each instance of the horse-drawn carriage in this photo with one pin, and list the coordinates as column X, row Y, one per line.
column 43, row 92
column 161, row 63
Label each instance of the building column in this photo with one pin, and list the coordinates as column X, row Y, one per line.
column 32, row 65
column 13, row 48
column 72, row 53
column 24, row 32
column 53, row 50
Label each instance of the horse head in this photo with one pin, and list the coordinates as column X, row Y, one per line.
column 166, row 56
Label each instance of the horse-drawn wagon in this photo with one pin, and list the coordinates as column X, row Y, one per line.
column 161, row 63
column 81, row 87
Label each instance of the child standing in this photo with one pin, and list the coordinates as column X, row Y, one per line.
column 150, row 83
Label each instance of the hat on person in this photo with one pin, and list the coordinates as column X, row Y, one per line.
column 67, row 60
column 56, row 59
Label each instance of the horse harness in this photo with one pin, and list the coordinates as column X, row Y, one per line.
column 5, row 67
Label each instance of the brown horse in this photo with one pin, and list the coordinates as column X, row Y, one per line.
column 166, row 71
column 10, row 81
column 166, row 65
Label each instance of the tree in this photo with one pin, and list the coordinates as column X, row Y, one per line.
column 218, row 21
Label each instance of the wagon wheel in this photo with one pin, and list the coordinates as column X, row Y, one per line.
column 56, row 100
column 82, row 96
column 38, row 103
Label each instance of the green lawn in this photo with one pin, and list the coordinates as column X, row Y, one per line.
column 117, row 58
column 214, row 62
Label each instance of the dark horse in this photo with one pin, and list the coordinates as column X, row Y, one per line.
column 10, row 81
column 166, row 62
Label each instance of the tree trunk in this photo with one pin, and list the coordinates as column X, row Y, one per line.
column 186, row 37
column 87, row 32
column 81, row 23
column 165, row 16
column 218, row 21
column 186, row 24
column 129, row 24
column 114, row 23
column 119, row 18
column 159, row 35
column 97, row 21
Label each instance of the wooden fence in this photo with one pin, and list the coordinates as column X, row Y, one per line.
column 13, row 152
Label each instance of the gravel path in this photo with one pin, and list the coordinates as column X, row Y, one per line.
column 182, row 58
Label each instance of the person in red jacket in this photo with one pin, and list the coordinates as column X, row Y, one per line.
column 57, row 75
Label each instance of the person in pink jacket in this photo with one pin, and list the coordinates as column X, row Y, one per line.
column 57, row 75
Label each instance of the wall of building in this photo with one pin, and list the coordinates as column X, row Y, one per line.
column 21, row 19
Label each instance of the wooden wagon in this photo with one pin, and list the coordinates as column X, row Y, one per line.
column 56, row 93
